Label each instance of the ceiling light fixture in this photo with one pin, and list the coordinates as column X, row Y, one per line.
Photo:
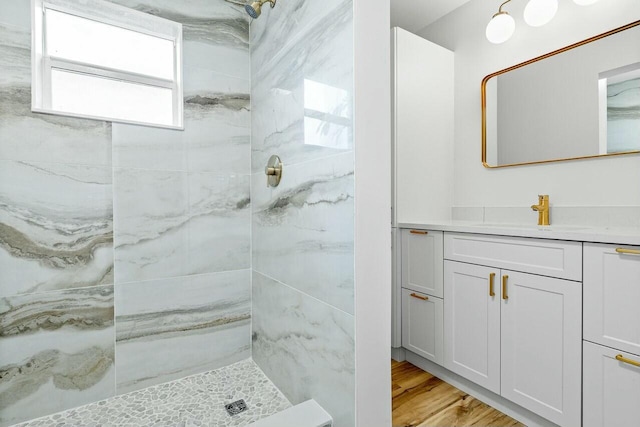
column 540, row 12
column 501, row 27
column 536, row 13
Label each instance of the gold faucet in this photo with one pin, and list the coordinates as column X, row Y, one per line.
column 543, row 209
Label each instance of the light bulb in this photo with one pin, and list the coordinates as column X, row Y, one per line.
column 539, row 12
column 500, row 28
column 584, row 2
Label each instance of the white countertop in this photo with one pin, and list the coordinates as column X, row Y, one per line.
column 615, row 235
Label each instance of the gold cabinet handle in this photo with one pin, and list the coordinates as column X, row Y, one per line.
column 504, row 287
column 418, row 232
column 623, row 359
column 628, row 251
column 419, row 297
column 492, row 277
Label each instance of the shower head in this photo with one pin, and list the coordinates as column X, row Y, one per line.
column 254, row 8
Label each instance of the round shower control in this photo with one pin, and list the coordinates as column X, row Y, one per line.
column 273, row 171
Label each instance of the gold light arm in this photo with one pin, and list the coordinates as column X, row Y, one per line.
column 628, row 251
column 621, row 358
column 504, row 287
column 492, row 277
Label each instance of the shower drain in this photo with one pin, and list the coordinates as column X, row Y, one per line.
column 234, row 408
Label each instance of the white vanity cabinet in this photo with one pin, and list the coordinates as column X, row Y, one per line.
column 611, row 390
column 472, row 323
column 612, row 296
column 422, row 261
column 422, row 291
column 611, row 395
column 422, row 325
column 515, row 333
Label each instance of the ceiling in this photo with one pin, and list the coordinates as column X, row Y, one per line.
column 414, row 15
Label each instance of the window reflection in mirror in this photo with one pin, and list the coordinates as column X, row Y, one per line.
column 621, row 96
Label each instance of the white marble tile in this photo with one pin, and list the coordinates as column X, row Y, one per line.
column 214, row 22
column 302, row 103
column 145, row 147
column 172, row 223
column 150, row 217
column 27, row 136
column 216, row 135
column 221, row 59
column 170, row 328
column 56, row 227
column 285, row 23
column 15, row 55
column 305, row 347
column 57, row 351
column 302, row 231
column 219, row 227
column 16, row 13
column 217, row 131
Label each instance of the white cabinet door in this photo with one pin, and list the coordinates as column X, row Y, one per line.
column 541, row 345
column 611, row 296
column 422, row 327
column 611, row 388
column 472, row 323
column 422, row 261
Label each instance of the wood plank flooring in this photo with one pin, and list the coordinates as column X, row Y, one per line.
column 421, row 400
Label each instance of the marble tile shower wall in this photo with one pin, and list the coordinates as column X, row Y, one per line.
column 95, row 216
column 182, row 211
column 56, row 245
column 302, row 231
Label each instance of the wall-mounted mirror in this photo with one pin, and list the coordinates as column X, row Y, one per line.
column 577, row 102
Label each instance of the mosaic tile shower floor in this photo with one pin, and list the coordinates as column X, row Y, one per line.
column 197, row 400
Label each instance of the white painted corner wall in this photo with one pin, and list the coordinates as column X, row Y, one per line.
column 372, row 132
column 597, row 182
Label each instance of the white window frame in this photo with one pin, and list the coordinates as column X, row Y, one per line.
column 114, row 15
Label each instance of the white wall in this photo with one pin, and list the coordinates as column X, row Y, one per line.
column 372, row 131
column 598, row 182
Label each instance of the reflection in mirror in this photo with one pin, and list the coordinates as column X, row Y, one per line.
column 620, row 89
column 578, row 102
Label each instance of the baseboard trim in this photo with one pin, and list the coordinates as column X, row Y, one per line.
column 398, row 354
column 500, row 403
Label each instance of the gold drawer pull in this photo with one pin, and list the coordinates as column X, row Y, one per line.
column 628, row 251
column 504, row 287
column 418, row 232
column 420, row 297
column 492, row 276
column 623, row 359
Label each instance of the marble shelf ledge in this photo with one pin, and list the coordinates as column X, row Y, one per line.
column 580, row 233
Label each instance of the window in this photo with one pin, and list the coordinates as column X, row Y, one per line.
column 94, row 59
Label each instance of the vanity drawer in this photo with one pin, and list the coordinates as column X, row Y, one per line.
column 611, row 387
column 611, row 296
column 422, row 261
column 537, row 256
column 422, row 327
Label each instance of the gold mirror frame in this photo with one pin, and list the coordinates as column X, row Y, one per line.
column 531, row 61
